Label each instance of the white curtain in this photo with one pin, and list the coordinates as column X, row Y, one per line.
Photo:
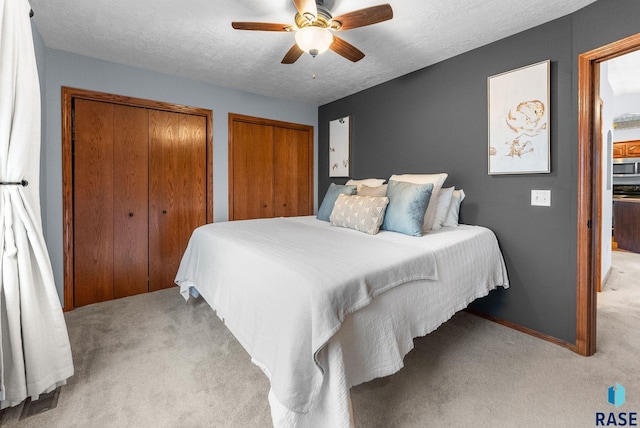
column 35, row 356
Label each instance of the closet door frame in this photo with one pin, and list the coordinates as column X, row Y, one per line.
column 68, row 96
column 234, row 117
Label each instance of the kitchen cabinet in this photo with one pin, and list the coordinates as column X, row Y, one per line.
column 626, row 149
column 626, row 231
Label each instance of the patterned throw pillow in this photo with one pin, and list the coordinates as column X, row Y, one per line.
column 362, row 213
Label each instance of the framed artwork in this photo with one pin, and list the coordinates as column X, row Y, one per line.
column 519, row 121
column 339, row 146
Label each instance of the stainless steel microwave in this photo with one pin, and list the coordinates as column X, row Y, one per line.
column 626, row 167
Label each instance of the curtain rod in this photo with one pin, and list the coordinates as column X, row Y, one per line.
column 23, row 183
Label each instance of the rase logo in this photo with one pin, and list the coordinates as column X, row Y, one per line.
column 616, row 397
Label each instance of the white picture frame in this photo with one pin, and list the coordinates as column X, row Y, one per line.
column 519, row 131
column 339, row 147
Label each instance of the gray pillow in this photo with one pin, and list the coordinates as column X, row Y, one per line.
column 407, row 205
column 324, row 212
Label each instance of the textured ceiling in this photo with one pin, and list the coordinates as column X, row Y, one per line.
column 194, row 39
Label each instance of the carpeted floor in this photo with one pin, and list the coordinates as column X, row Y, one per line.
column 155, row 361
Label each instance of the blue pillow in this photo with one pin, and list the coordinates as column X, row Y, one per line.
column 324, row 212
column 407, row 205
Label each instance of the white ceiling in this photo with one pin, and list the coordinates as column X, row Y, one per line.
column 194, row 39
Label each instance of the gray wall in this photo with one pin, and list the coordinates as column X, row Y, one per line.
column 65, row 69
column 435, row 120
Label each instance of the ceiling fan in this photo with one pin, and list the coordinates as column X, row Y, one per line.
column 314, row 29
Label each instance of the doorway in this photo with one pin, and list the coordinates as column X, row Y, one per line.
column 620, row 133
column 589, row 185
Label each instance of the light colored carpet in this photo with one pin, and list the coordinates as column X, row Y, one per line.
column 155, row 361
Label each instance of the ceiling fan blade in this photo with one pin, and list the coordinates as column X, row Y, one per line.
column 260, row 26
column 364, row 17
column 307, row 8
column 292, row 56
column 346, row 49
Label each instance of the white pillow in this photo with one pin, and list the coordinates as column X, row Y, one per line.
column 442, row 208
column 437, row 180
column 454, row 209
column 371, row 182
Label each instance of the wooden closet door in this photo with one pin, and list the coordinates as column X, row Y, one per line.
column 292, row 172
column 177, row 190
column 93, row 202
column 131, row 201
column 252, row 171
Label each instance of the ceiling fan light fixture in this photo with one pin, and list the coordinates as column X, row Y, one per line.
column 314, row 27
column 314, row 40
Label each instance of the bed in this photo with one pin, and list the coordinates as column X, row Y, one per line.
column 321, row 309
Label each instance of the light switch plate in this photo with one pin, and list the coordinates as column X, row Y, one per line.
column 541, row 198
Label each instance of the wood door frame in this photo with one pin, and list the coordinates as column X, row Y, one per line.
column 68, row 95
column 589, row 185
column 597, row 125
column 233, row 117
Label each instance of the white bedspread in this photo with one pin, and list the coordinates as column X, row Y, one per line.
column 371, row 341
column 284, row 287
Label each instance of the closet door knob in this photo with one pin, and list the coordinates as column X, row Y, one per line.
column 264, row 206
column 164, row 211
column 130, row 214
column 284, row 205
